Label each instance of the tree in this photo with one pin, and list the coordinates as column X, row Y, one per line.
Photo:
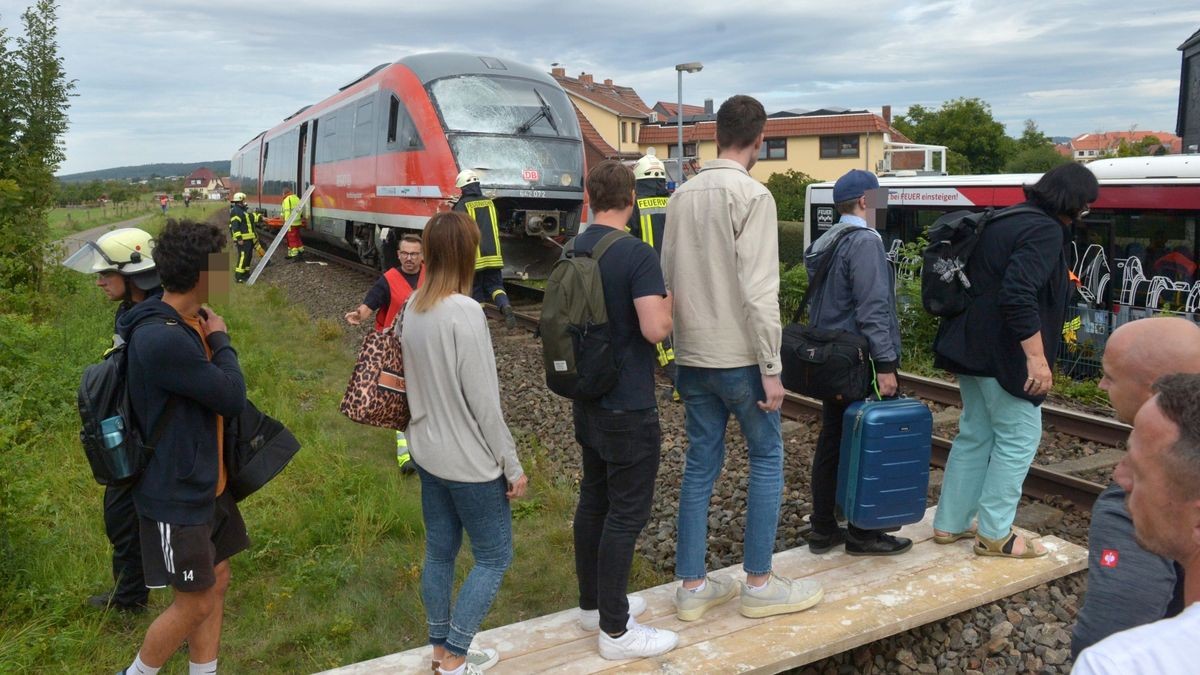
column 788, row 190
column 966, row 127
column 1039, row 159
column 34, row 93
column 1032, row 137
column 1135, row 149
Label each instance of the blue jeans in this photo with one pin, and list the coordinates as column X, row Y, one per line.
column 998, row 435
column 709, row 396
column 448, row 508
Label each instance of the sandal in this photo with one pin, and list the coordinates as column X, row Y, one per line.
column 1003, row 548
column 952, row 537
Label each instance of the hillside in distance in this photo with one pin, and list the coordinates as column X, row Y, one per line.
column 146, row 171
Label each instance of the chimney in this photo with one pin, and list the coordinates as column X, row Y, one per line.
column 608, row 82
column 585, row 78
column 887, row 115
column 708, row 106
column 558, row 72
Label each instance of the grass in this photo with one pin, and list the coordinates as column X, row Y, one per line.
column 333, row 573
column 69, row 220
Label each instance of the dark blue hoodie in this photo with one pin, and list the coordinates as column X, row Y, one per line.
column 167, row 361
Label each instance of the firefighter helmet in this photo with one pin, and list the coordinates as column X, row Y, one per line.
column 465, row 178
column 649, row 166
column 238, row 197
column 127, row 251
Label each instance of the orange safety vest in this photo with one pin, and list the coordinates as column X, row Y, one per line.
column 400, row 291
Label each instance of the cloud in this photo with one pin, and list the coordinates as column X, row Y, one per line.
column 167, row 82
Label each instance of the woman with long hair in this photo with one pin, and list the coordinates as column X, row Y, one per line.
column 464, row 452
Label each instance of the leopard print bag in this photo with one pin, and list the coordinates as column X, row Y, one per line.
column 376, row 394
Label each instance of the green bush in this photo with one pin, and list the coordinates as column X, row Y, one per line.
column 788, row 190
column 791, row 243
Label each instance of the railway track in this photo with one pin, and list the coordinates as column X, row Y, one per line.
column 1041, row 482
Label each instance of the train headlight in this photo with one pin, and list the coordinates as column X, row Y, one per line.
column 565, row 179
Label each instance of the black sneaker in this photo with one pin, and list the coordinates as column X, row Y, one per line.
column 822, row 543
column 105, row 601
column 878, row 543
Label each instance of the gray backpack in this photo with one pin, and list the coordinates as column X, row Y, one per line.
column 576, row 340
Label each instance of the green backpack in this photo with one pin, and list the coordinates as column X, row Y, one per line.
column 576, row 341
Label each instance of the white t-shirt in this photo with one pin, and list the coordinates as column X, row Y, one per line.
column 1166, row 647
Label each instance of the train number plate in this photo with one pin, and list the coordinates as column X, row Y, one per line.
column 530, row 175
column 532, row 194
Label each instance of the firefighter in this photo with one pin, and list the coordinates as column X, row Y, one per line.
column 257, row 218
column 295, row 245
column 489, row 263
column 123, row 263
column 241, row 226
column 647, row 221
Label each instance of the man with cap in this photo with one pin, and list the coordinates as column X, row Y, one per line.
column 858, row 295
column 123, row 263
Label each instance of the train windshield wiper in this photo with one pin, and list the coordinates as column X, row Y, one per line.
column 545, row 112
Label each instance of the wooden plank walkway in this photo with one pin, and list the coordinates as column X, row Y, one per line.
column 866, row 599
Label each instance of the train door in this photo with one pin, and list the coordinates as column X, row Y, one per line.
column 304, row 157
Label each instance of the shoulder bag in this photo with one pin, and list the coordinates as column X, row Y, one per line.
column 823, row 363
column 376, row 394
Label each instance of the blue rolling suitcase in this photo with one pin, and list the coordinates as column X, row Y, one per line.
column 883, row 470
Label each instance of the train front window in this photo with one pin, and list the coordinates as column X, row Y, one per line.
column 503, row 105
column 521, row 162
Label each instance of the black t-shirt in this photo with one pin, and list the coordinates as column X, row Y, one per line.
column 628, row 270
column 380, row 296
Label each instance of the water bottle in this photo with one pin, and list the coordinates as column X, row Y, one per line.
column 113, row 430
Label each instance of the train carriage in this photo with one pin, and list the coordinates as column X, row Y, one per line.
column 1135, row 254
column 383, row 153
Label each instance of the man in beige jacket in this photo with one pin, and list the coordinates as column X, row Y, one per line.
column 721, row 260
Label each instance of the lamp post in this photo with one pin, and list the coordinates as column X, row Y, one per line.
column 693, row 67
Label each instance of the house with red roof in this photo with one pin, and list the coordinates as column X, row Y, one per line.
column 201, row 182
column 1087, row 147
column 610, row 116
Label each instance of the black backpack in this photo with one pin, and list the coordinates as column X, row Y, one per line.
column 576, row 340
column 945, row 287
column 110, row 434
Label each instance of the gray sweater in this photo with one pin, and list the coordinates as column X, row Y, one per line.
column 457, row 430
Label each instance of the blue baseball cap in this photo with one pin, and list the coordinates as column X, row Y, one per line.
column 853, row 185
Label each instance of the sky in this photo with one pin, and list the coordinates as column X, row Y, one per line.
column 180, row 82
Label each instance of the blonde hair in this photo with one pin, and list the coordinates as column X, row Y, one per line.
column 449, row 245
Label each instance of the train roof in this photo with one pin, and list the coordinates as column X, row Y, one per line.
column 436, row 65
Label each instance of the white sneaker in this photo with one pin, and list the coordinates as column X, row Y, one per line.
column 589, row 619
column 481, row 659
column 691, row 605
column 780, row 596
column 638, row 642
column 468, row 669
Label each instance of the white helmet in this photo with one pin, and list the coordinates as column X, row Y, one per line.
column 465, row 178
column 649, row 167
column 239, row 197
column 127, row 251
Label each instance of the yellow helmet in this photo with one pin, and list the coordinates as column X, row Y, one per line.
column 127, row 251
column 239, row 197
column 465, row 177
column 649, row 167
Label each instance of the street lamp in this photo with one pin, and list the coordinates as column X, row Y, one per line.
column 693, row 67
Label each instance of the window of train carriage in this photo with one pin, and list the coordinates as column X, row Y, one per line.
column 364, row 129
column 1164, row 244
column 401, row 130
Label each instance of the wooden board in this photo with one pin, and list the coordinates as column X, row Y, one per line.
column 866, row 599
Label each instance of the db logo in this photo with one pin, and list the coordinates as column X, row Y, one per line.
column 1109, row 558
column 530, row 174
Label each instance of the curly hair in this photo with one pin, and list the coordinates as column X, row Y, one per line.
column 182, row 250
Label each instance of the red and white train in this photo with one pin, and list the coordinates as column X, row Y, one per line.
column 383, row 153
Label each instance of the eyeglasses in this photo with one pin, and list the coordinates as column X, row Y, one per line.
column 410, row 255
column 1083, row 213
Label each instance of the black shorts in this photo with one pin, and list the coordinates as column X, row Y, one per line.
column 184, row 557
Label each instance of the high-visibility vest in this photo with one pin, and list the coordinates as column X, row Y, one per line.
column 399, row 292
column 290, row 203
column 483, row 212
column 651, row 219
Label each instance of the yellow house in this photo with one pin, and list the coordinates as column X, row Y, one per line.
column 823, row 146
column 610, row 116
